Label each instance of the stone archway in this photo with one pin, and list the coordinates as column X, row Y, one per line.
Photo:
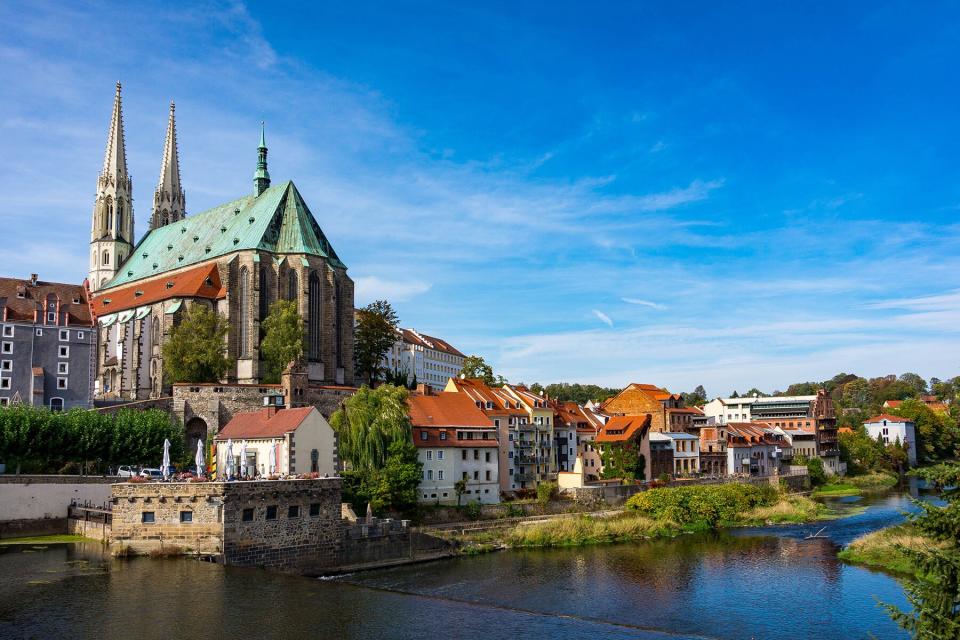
column 195, row 431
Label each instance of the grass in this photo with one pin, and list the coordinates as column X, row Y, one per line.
column 880, row 549
column 873, row 481
column 836, row 489
column 53, row 539
column 788, row 510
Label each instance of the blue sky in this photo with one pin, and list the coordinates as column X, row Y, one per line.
column 673, row 193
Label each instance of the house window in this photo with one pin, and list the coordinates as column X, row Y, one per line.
column 7, row 347
column 476, row 475
column 293, row 511
column 4, row 402
column 439, row 455
column 56, row 404
column 429, row 474
column 429, row 455
column 314, row 509
column 464, row 454
column 486, row 456
column 272, row 512
column 79, row 335
column 423, row 436
column 443, row 435
column 246, row 515
column 63, row 368
column 39, row 332
column 496, row 422
column 476, row 454
column 4, row 383
column 64, row 352
column 8, row 331
column 51, row 317
column 488, row 474
column 61, row 383
column 510, row 454
column 64, row 334
column 148, row 517
column 186, row 517
column 6, row 365
column 439, row 474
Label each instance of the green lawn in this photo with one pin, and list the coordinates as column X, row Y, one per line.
column 837, row 489
column 54, row 539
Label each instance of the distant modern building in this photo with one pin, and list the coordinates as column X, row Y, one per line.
column 423, row 358
column 892, row 429
column 455, row 441
column 47, row 344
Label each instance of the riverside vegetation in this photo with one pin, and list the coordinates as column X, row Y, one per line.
column 661, row 512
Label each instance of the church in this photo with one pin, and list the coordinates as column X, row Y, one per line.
column 236, row 258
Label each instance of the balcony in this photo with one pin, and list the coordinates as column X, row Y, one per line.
column 524, row 444
column 524, row 477
column 527, row 459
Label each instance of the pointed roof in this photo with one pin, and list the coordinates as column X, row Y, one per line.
column 115, row 157
column 277, row 221
column 170, row 165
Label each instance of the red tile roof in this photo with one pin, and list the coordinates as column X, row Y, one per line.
column 415, row 337
column 34, row 297
column 888, row 418
column 478, row 391
column 445, row 410
column 623, row 428
column 202, row 281
column 259, row 424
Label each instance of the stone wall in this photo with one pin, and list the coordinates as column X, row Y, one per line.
column 309, row 538
column 163, row 404
column 167, row 532
column 35, row 497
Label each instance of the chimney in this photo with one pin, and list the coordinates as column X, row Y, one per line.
column 272, row 404
column 33, row 279
column 424, row 389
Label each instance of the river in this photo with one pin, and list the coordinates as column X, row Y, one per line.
column 750, row 583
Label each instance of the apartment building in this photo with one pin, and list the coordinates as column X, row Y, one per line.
column 430, row 360
column 535, row 438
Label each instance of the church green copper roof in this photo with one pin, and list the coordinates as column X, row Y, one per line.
column 277, row 221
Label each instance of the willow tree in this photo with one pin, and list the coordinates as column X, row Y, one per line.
column 369, row 422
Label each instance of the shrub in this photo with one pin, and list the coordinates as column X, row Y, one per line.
column 702, row 506
column 472, row 510
column 546, row 491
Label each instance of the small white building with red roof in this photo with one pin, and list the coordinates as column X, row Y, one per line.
column 892, row 429
column 301, row 440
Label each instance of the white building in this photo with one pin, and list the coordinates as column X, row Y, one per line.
column 786, row 411
column 431, row 360
column 894, row 429
column 301, row 439
column 455, row 441
column 686, row 450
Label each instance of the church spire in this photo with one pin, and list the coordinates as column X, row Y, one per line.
column 168, row 200
column 261, row 177
column 115, row 157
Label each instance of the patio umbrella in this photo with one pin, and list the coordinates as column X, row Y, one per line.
column 165, row 468
column 199, row 458
column 243, row 458
column 273, row 456
column 228, row 463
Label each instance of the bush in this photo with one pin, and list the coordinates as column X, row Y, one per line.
column 547, row 491
column 702, row 506
column 472, row 510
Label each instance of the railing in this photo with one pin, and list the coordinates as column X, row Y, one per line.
column 90, row 511
column 524, row 477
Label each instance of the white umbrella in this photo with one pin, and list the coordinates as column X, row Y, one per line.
column 243, row 458
column 273, row 456
column 165, row 468
column 228, row 466
column 200, row 462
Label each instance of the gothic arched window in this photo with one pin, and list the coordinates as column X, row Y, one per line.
column 244, row 313
column 315, row 314
column 119, row 216
column 293, row 286
column 106, row 258
column 109, row 215
column 155, row 332
column 264, row 294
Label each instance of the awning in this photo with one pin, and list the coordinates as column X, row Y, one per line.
column 107, row 320
column 173, row 308
column 142, row 312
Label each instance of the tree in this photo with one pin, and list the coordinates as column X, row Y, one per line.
column 195, row 350
column 915, row 382
column 938, row 436
column 579, row 393
column 399, row 479
column 754, row 393
column 622, row 460
column 476, row 367
column 934, row 594
column 460, row 488
column 375, row 333
column 861, row 452
column 369, row 422
column 283, row 339
column 696, row 397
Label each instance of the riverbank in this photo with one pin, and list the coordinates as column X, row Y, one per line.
column 857, row 485
column 51, row 539
column 883, row 549
column 657, row 513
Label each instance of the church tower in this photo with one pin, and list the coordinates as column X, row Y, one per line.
column 111, row 236
column 169, row 203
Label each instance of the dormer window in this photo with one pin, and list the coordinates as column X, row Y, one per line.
column 169, row 284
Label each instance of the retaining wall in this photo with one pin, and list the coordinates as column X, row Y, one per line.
column 38, row 497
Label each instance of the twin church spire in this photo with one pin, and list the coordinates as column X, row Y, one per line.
column 111, row 236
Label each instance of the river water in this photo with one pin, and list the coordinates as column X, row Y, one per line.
column 750, row 583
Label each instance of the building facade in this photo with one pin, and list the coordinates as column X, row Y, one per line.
column 424, row 359
column 892, row 429
column 236, row 259
column 47, row 344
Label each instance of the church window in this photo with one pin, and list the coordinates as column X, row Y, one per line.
column 155, row 332
column 293, row 286
column 264, row 294
column 315, row 316
column 109, row 215
column 106, row 258
column 244, row 315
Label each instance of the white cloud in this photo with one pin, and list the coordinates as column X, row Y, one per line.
column 644, row 303
column 370, row 288
column 604, row 318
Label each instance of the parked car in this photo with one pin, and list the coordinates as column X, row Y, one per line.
column 126, row 471
column 153, row 474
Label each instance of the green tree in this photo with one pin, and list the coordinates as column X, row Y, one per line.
column 861, row 452
column 622, row 460
column 477, row 367
column 696, row 397
column 460, row 488
column 399, row 479
column 283, row 339
column 935, row 594
column 195, row 351
column 579, row 393
column 938, row 436
column 369, row 422
column 375, row 333
column 814, row 467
